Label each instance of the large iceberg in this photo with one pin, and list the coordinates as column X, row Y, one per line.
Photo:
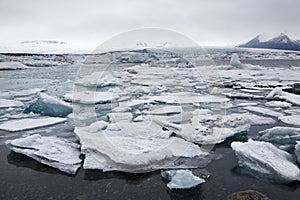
column 181, row 179
column 50, row 106
column 32, row 123
column 262, row 159
column 49, row 150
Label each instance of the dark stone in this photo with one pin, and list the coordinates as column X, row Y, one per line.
column 247, row 195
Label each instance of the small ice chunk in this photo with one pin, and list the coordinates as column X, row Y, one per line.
column 235, row 60
column 49, row 150
column 181, row 179
column 165, row 110
column 89, row 97
column 240, row 95
column 27, row 124
column 263, row 159
column 50, row 106
column 291, row 119
column 281, row 135
column 101, row 79
column 6, row 103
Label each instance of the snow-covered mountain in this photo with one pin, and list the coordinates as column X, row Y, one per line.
column 281, row 41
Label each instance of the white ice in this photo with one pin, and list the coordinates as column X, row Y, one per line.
column 181, row 179
column 101, row 79
column 291, row 119
column 235, row 60
column 280, row 135
column 263, row 111
column 6, row 103
column 278, row 104
column 263, row 159
column 12, row 66
column 89, row 97
column 279, row 94
column 49, row 150
column 27, row 124
column 297, row 151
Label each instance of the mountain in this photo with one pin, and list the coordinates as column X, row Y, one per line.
column 281, row 41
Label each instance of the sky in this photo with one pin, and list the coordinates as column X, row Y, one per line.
column 91, row 22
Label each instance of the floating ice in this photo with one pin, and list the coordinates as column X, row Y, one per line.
column 6, row 103
column 12, row 66
column 132, row 147
column 263, row 111
column 89, row 97
column 101, row 79
column 263, row 159
column 181, row 179
column 241, row 95
column 291, row 119
column 281, row 135
column 211, row 129
column 279, row 94
column 278, row 104
column 49, row 150
column 235, row 60
column 21, row 93
column 26, row 124
column 50, row 106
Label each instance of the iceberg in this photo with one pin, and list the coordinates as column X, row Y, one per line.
column 12, row 66
column 50, row 106
column 89, row 97
column 291, row 119
column 6, row 103
column 264, row 160
column 49, row 150
column 181, row 179
column 280, row 135
column 235, row 60
column 27, row 124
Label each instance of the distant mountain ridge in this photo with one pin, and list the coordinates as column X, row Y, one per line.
column 282, row 41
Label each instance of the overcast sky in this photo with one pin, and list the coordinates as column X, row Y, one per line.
column 210, row 22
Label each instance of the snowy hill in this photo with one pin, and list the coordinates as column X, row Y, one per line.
column 281, row 41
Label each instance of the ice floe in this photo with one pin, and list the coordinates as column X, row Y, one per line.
column 281, row 135
column 278, row 104
column 6, row 103
column 263, row 159
column 89, row 97
column 49, row 150
column 50, row 106
column 263, row 111
column 133, row 147
column 291, row 119
column 101, row 79
column 12, row 66
column 289, row 97
column 181, row 179
column 27, row 124
column 235, row 60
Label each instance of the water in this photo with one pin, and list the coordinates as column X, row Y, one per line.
column 24, row 178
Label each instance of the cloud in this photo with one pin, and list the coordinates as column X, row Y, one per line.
column 208, row 22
